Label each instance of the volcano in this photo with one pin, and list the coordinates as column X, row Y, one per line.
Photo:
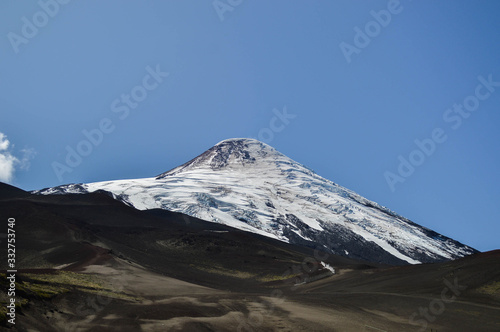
column 247, row 184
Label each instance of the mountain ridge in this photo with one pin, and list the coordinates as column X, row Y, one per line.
column 247, row 184
column 163, row 270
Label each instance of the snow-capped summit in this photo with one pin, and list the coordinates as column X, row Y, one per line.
column 234, row 152
column 249, row 185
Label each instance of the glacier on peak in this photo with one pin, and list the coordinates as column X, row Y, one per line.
column 227, row 153
column 249, row 185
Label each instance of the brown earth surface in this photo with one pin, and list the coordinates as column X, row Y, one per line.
column 90, row 263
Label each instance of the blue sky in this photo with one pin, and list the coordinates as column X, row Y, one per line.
column 204, row 71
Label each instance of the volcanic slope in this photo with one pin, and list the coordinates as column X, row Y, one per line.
column 91, row 263
column 249, row 185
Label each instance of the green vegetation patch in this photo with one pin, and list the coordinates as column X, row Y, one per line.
column 40, row 290
column 66, row 278
column 279, row 277
column 65, row 281
column 45, row 286
column 225, row 272
column 492, row 288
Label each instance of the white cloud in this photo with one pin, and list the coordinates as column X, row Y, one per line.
column 28, row 154
column 7, row 166
column 4, row 143
column 9, row 163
